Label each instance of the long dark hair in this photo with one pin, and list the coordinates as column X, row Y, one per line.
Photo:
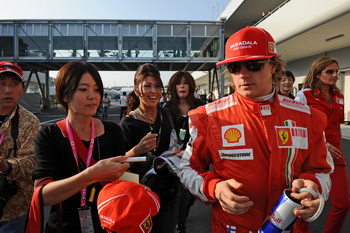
column 142, row 72
column 174, row 100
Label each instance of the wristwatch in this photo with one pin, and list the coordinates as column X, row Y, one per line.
column 9, row 170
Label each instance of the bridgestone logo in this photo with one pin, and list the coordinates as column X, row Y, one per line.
column 236, row 155
column 242, row 154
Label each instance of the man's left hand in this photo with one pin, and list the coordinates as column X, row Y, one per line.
column 307, row 199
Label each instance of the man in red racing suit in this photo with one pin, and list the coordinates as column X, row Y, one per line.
column 257, row 147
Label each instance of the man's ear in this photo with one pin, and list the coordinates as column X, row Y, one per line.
column 274, row 67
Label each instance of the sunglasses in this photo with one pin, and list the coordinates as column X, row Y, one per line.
column 330, row 72
column 253, row 65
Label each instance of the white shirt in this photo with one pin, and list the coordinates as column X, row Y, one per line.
column 123, row 101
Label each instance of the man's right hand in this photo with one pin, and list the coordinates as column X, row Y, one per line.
column 229, row 201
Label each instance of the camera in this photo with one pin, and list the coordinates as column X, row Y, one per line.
column 8, row 188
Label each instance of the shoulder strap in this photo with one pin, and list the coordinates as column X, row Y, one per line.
column 14, row 131
column 35, row 218
column 81, row 149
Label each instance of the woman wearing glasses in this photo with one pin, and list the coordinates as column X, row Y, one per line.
column 322, row 93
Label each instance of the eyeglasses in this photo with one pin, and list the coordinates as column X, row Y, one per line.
column 330, row 72
column 253, row 65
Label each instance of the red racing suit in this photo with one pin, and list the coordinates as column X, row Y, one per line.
column 340, row 193
column 263, row 145
column 335, row 115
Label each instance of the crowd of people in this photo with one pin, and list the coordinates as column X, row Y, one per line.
column 239, row 153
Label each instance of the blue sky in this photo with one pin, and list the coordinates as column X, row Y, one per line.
column 119, row 10
column 115, row 9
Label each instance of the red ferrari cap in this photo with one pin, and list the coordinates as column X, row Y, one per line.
column 249, row 43
column 11, row 67
column 127, row 207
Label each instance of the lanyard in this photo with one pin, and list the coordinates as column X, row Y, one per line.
column 74, row 149
column 2, row 137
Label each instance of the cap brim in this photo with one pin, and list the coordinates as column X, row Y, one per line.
column 242, row 58
column 10, row 71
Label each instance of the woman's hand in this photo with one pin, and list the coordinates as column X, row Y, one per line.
column 146, row 144
column 108, row 169
column 229, row 201
column 104, row 170
column 335, row 152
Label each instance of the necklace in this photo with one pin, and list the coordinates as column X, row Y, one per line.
column 144, row 115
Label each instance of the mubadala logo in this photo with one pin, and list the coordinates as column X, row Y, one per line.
column 243, row 44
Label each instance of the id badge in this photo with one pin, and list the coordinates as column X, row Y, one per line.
column 182, row 134
column 85, row 220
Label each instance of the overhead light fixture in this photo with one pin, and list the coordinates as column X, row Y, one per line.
column 334, row 37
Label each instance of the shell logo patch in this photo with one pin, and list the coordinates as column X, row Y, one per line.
column 232, row 135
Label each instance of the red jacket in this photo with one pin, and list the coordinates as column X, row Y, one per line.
column 335, row 115
column 263, row 145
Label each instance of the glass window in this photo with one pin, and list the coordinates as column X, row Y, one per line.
column 6, row 46
column 205, row 47
column 144, row 30
column 179, row 30
column 95, row 29
column 172, row 47
column 110, row 29
column 100, row 43
column 137, row 46
column 171, row 41
column 67, row 29
column 68, row 40
column 213, row 30
column 133, row 30
column 6, row 40
column 164, row 30
column 6, row 30
column 104, row 46
column 68, row 46
column 198, row 30
column 33, row 40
